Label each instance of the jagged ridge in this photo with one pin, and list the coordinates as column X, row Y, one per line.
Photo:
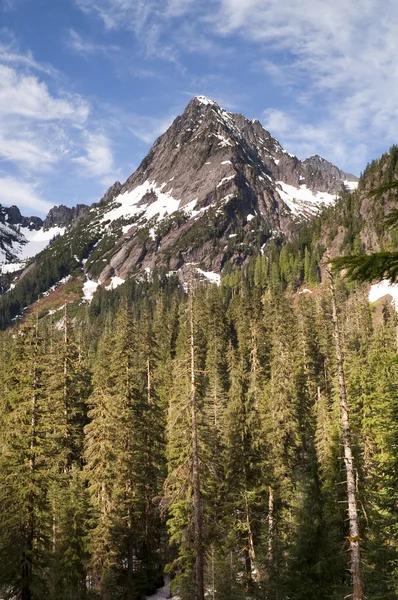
column 212, row 189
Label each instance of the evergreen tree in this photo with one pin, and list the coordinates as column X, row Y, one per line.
column 24, row 477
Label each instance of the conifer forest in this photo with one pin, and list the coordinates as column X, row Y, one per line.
column 240, row 440
column 198, row 300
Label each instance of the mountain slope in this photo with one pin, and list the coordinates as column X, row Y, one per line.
column 212, row 177
column 22, row 238
column 213, row 190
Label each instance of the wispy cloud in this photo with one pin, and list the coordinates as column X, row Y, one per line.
column 121, row 123
column 9, row 5
column 86, row 47
column 25, row 149
column 25, row 96
column 336, row 63
column 32, row 119
column 306, row 139
column 97, row 160
column 341, row 59
column 10, row 53
column 147, row 129
column 24, row 195
column 147, row 19
column 116, row 13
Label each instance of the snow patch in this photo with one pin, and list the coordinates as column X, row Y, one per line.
column 37, row 240
column 11, row 267
column 205, row 101
column 225, row 180
column 26, row 243
column 351, row 185
column 384, row 288
column 129, row 202
column 250, row 218
column 225, row 162
column 54, row 287
column 224, row 142
column 189, row 208
column 89, row 289
column 115, row 282
column 302, row 200
column 126, row 228
column 210, row 276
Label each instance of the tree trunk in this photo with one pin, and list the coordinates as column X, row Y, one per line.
column 27, row 565
column 354, row 537
column 271, row 527
column 197, row 508
column 250, row 543
column 67, row 466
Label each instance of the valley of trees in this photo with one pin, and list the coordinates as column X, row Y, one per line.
column 158, row 432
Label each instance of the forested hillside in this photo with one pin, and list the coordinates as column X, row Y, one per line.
column 205, row 432
column 97, row 431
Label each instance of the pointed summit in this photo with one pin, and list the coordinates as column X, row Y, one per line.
column 204, row 100
column 212, row 189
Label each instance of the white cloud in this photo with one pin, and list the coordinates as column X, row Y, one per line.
column 26, row 96
column 147, row 129
column 25, row 149
column 340, row 56
column 98, row 158
column 115, row 13
column 134, row 13
column 11, row 54
column 143, row 127
column 36, row 127
column 24, row 195
column 87, row 47
column 148, row 19
column 306, row 139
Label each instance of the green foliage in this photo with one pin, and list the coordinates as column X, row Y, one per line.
column 110, row 486
column 376, row 266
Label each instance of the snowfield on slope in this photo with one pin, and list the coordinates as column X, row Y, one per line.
column 129, row 207
column 302, row 200
column 89, row 289
column 29, row 243
column 37, row 240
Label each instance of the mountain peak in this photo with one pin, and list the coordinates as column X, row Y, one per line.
column 204, row 100
column 213, row 188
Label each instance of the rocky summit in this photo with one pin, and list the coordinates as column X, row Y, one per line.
column 212, row 189
column 21, row 238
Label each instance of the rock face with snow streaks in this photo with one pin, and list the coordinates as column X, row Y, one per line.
column 21, row 238
column 63, row 216
column 213, row 175
column 212, row 189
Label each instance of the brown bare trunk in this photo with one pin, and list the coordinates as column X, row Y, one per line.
column 130, row 564
column 250, row 544
column 197, row 508
column 271, row 527
column 354, row 537
column 213, row 573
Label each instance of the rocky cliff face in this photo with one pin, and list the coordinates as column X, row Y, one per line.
column 22, row 237
column 63, row 216
column 12, row 216
column 213, row 188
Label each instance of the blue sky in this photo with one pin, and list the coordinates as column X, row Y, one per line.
column 86, row 86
